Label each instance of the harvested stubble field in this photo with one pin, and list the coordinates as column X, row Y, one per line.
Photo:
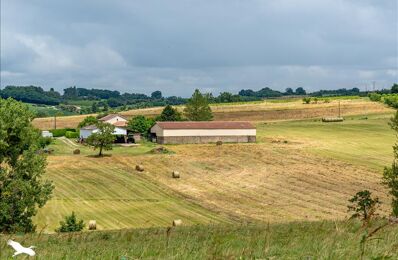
column 308, row 173
column 257, row 111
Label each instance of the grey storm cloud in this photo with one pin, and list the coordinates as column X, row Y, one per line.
column 218, row 45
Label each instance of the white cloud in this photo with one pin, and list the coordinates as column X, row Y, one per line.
column 180, row 45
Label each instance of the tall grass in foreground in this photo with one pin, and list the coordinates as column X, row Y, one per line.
column 300, row 240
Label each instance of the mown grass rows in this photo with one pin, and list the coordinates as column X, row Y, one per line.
column 265, row 182
column 115, row 196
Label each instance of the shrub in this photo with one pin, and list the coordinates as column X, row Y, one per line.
column 375, row 97
column 58, row 132
column 70, row 134
column 76, row 151
column 363, row 205
column 45, row 141
column 307, row 100
column 62, row 132
column 70, row 224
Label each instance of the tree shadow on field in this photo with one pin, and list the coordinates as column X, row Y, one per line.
column 99, row 156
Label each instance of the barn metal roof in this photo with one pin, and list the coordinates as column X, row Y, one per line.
column 206, row 125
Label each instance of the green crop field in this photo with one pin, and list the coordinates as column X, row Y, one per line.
column 365, row 140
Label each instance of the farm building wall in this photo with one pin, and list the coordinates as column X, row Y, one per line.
column 205, row 139
column 207, row 132
column 84, row 133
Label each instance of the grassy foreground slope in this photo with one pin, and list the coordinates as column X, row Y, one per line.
column 301, row 240
column 250, row 111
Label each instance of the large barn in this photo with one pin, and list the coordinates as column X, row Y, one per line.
column 203, row 132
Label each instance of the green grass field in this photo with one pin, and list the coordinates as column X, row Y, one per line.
column 364, row 140
column 297, row 240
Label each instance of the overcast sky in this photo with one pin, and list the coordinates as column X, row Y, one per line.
column 215, row 45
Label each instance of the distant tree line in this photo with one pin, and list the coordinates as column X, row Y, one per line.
column 31, row 94
column 103, row 100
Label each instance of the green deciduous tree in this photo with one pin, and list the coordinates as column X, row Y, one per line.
column 103, row 139
column 140, row 124
column 169, row 114
column 197, row 108
column 22, row 189
column 89, row 120
column 390, row 176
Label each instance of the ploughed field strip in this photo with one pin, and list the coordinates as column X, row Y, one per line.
column 275, row 183
column 114, row 195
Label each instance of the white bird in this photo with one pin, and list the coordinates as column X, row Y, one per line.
column 19, row 249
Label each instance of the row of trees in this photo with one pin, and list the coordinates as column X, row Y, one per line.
column 106, row 99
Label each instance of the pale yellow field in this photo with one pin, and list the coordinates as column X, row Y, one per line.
column 261, row 111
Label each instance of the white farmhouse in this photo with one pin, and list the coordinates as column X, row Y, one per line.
column 118, row 121
column 203, row 132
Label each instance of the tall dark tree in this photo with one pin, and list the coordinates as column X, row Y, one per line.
column 22, row 189
column 156, row 94
column 94, row 107
column 197, row 108
column 289, row 91
column 169, row 114
column 394, row 88
column 300, row 91
column 390, row 176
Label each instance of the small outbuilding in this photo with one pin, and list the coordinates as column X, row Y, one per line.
column 203, row 132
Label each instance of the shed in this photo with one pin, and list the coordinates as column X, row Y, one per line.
column 203, row 132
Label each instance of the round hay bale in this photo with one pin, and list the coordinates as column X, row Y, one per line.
column 139, row 167
column 92, row 225
column 76, row 151
column 177, row 222
column 176, row 174
column 219, row 143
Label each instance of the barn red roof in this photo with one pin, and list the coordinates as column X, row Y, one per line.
column 206, row 125
column 120, row 124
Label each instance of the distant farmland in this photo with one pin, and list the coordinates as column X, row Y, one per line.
column 297, row 171
column 256, row 111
